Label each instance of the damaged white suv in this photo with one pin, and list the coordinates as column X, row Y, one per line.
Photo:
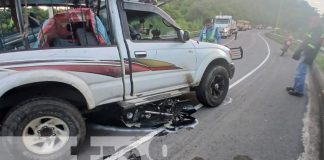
column 85, row 56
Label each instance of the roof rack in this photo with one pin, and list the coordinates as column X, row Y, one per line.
column 8, row 3
column 154, row 2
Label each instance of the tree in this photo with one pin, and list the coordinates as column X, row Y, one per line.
column 289, row 14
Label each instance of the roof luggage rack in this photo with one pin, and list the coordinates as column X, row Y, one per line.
column 8, row 3
column 154, row 2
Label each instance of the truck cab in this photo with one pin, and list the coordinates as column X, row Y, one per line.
column 226, row 25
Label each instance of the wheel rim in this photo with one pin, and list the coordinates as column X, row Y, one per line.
column 217, row 87
column 45, row 135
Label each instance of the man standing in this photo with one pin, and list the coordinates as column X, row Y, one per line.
column 310, row 47
column 235, row 33
column 210, row 33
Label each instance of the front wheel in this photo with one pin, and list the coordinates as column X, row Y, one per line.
column 282, row 53
column 43, row 128
column 213, row 87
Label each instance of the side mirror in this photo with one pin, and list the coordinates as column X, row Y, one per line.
column 185, row 36
column 236, row 53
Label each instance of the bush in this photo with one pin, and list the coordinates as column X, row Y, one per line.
column 320, row 61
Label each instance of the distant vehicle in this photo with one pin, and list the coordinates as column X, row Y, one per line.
column 227, row 25
column 243, row 25
column 260, row 26
column 269, row 28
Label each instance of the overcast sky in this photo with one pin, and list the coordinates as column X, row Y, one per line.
column 319, row 4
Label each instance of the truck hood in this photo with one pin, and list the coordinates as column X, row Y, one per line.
column 205, row 45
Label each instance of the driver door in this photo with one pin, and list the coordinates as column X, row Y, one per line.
column 161, row 62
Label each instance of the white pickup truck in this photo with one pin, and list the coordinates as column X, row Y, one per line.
column 112, row 52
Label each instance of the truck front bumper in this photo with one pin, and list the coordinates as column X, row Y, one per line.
column 225, row 34
column 231, row 70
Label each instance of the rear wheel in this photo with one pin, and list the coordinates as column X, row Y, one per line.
column 213, row 87
column 43, row 128
column 284, row 50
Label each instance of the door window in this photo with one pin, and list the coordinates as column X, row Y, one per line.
column 148, row 26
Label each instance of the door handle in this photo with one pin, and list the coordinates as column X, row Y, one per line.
column 140, row 54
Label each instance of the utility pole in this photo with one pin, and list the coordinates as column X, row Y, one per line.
column 279, row 13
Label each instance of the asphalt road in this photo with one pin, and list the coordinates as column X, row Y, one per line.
column 258, row 120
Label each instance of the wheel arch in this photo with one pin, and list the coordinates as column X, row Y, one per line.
column 221, row 61
column 45, row 82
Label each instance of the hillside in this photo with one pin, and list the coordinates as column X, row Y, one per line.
column 292, row 16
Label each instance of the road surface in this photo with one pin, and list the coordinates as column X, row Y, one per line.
column 259, row 119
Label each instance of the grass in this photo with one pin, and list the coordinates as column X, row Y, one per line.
column 320, row 61
column 281, row 39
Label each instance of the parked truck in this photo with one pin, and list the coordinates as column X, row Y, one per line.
column 226, row 25
column 117, row 53
column 243, row 25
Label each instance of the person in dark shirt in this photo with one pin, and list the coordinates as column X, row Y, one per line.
column 306, row 54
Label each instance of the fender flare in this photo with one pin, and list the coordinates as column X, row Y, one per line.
column 28, row 77
column 206, row 62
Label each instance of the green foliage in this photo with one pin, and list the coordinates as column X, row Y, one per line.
column 7, row 25
column 42, row 15
column 282, row 39
column 320, row 61
column 290, row 15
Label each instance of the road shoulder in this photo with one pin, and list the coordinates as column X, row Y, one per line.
column 313, row 121
column 318, row 80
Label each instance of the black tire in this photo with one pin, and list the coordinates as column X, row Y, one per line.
column 18, row 118
column 283, row 50
column 208, row 95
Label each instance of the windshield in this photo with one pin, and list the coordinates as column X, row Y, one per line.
column 222, row 21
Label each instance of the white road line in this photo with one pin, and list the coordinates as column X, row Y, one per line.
column 155, row 132
column 135, row 144
column 230, row 40
column 255, row 69
column 197, row 107
column 251, row 72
